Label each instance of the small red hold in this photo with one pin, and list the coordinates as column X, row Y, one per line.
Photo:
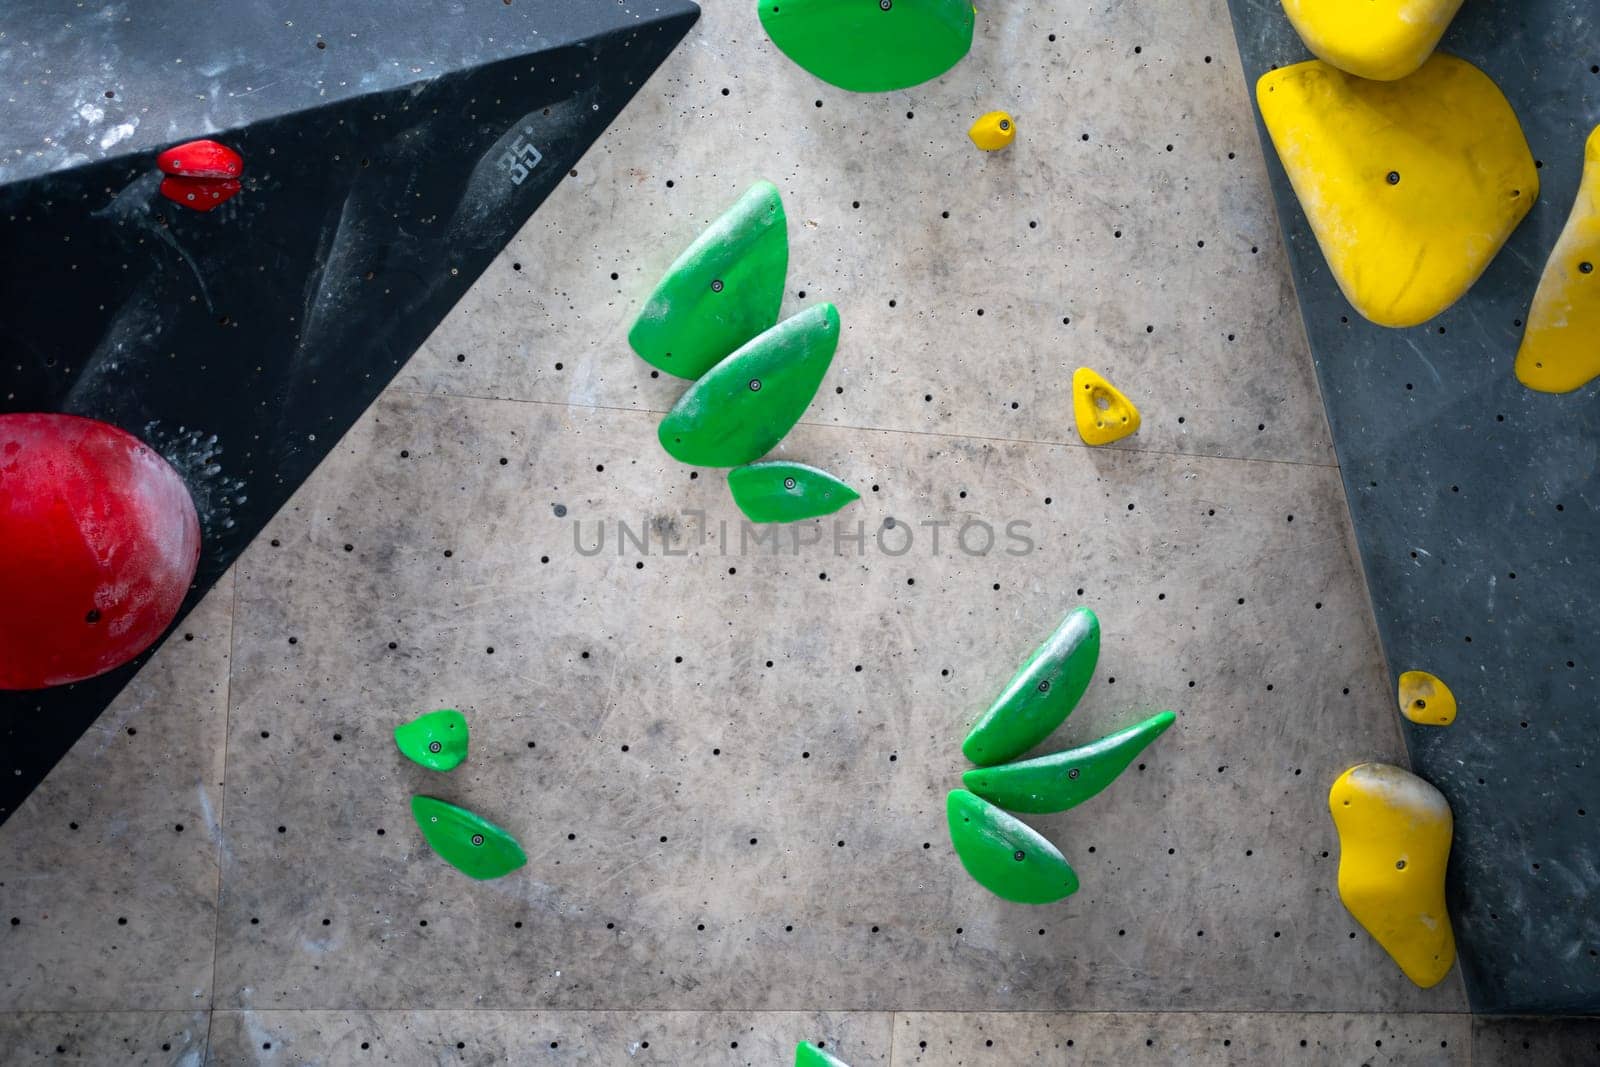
column 200, row 159
column 200, row 194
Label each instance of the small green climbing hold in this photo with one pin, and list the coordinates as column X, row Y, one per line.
column 871, row 46
column 470, row 843
column 1005, row 855
column 808, row 1055
column 723, row 290
column 787, row 492
column 437, row 740
column 744, row 405
column 1065, row 779
column 1041, row 695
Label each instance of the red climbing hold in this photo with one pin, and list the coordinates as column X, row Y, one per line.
column 201, row 194
column 98, row 544
column 200, row 159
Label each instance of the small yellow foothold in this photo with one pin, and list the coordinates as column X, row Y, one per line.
column 1381, row 39
column 993, row 132
column 1426, row 700
column 1394, row 840
column 1103, row 414
column 1561, row 348
column 1410, row 186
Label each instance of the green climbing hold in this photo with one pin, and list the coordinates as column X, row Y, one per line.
column 787, row 492
column 1005, row 855
column 437, row 740
column 871, row 46
column 808, row 1055
column 723, row 290
column 744, row 405
column 471, row 844
column 1041, row 695
column 1065, row 779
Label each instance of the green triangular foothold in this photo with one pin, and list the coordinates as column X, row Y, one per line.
column 1066, row 779
column 808, row 1055
column 744, row 405
column 471, row 844
column 870, row 46
column 437, row 740
column 787, row 492
column 723, row 290
column 1005, row 855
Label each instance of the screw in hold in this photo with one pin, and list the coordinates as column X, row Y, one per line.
column 1586, row 267
column 1073, row 773
column 1044, row 686
column 755, row 385
column 885, row 4
column 1394, row 177
column 716, row 286
column 1005, row 124
column 788, row 483
column 434, row 746
column 1019, row 855
column 477, row 839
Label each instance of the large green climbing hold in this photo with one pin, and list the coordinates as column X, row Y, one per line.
column 470, row 843
column 437, row 740
column 1041, row 695
column 1064, row 780
column 1005, row 855
column 871, row 46
column 723, row 290
column 744, row 405
column 787, row 492
column 808, row 1055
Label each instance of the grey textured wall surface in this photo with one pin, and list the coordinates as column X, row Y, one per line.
column 728, row 768
column 1474, row 503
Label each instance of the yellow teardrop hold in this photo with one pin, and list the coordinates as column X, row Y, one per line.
column 1394, row 839
column 993, row 132
column 1410, row 186
column 1561, row 348
column 1424, row 699
column 1382, row 39
column 1103, row 414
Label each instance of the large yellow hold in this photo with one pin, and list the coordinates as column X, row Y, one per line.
column 1382, row 39
column 1394, row 840
column 1410, row 186
column 1561, row 348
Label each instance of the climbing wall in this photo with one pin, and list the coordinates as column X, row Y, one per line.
column 1474, row 506
column 727, row 760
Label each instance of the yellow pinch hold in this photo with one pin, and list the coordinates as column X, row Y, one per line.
column 1410, row 186
column 1426, row 700
column 1103, row 414
column 993, row 131
column 1561, row 346
column 1394, row 840
column 1380, row 39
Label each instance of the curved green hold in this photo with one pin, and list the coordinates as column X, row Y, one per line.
column 437, row 740
column 808, row 1055
column 787, row 492
column 723, row 290
column 743, row 406
column 1005, row 855
column 1041, row 695
column 871, row 46
column 1066, row 779
column 470, row 843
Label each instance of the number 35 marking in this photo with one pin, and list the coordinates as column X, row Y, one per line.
column 520, row 159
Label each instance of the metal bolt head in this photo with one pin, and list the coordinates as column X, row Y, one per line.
column 716, row 286
column 885, row 4
column 1019, row 855
column 435, row 746
column 1586, row 267
column 788, row 483
column 477, row 839
column 1394, row 177
column 755, row 385
column 1005, row 124
column 1073, row 773
column 1044, row 686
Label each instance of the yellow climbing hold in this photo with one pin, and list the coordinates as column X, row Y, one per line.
column 1394, row 840
column 1103, row 414
column 1426, row 700
column 1561, row 348
column 1382, row 39
column 1410, row 186
column 993, row 132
